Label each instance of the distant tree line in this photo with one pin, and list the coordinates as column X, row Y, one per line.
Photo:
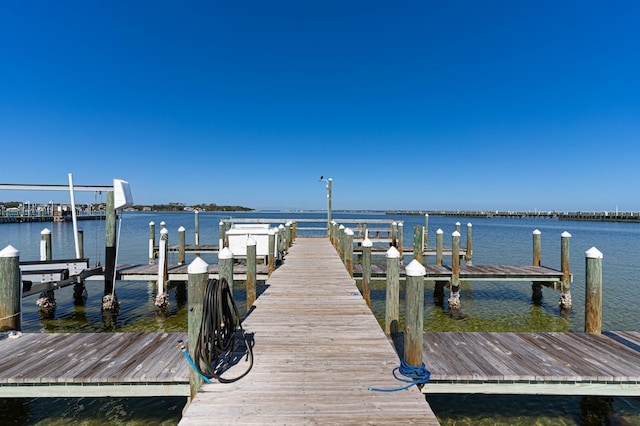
column 175, row 207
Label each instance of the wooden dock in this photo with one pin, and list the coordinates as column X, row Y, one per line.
column 318, row 349
column 149, row 272
column 76, row 365
column 533, row 363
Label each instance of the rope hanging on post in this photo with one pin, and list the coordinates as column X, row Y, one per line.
column 216, row 341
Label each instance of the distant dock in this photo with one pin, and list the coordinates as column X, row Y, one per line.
column 604, row 216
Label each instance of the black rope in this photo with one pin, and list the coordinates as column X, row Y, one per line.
column 216, row 341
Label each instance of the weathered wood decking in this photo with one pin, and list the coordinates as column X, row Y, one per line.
column 93, row 364
column 533, row 363
column 318, row 348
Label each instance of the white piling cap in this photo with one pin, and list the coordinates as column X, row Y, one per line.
column 9, row 251
column 469, row 225
column 162, row 223
column 593, row 253
column 536, row 232
column 341, row 227
column 455, row 234
column 400, row 223
column 457, row 223
column 225, row 253
column 45, row 231
column 426, row 215
column 281, row 226
column 251, row 241
column 181, row 229
column 198, row 266
column 272, row 231
column 393, row 253
column 221, row 223
column 164, row 231
column 151, row 223
column 415, row 269
column 394, row 223
column 333, row 222
column 565, row 234
column 348, row 231
column 367, row 243
column 439, row 231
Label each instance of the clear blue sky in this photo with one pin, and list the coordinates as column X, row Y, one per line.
column 517, row 105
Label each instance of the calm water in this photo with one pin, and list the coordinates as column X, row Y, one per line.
column 487, row 306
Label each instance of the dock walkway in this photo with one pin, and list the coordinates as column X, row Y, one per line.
column 76, row 365
column 318, row 348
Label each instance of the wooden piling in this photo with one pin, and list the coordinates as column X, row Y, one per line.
column 181, row 245
column 394, row 234
column 281, row 243
column 197, row 225
column 565, row 293
column 458, row 227
column 348, row 250
column 251, row 272
column 225, row 260
column 163, row 249
column 152, row 243
column 81, row 243
column 10, row 290
column 366, row 270
column 454, row 296
column 593, row 292
column 287, row 235
column 271, row 265
column 418, row 240
column 220, row 235
column 468, row 258
column 392, row 309
column 341, row 242
column 197, row 283
column 414, row 317
column 45, row 244
column 110, row 246
column 439, row 246
column 426, row 230
column 536, row 247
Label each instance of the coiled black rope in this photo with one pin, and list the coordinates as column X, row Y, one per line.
column 216, row 341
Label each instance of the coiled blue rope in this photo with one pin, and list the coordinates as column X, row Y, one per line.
column 415, row 376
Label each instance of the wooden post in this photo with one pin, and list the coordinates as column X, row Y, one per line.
column 251, row 272
column 536, row 247
column 593, row 292
column 394, row 234
column 10, row 290
column 366, row 270
column 414, row 317
column 227, row 226
column 288, row 233
column 45, row 244
column 565, row 293
column 197, row 220
column 225, row 260
column 418, row 240
column 162, row 299
column 181, row 245
column 152, row 243
column 400, row 239
column 163, row 225
column 110, row 249
column 454, row 296
column 348, row 251
column 392, row 309
column 469, row 254
column 426, row 231
column 220, row 235
column 439, row 246
column 341, row 242
column 536, row 286
column 458, row 227
column 81, row 243
column 329, row 201
column 198, row 271
column 271, row 265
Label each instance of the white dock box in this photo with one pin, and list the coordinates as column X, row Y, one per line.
column 238, row 235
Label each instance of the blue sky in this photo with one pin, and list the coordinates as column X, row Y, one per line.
column 406, row 105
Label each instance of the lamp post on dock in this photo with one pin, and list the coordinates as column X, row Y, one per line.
column 329, row 182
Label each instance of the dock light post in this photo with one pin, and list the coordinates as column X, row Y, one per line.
column 329, row 182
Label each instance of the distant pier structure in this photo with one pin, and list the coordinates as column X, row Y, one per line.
column 604, row 216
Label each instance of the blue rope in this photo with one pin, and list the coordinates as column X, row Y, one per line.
column 193, row 365
column 416, row 376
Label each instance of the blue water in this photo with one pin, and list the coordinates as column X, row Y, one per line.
column 486, row 306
